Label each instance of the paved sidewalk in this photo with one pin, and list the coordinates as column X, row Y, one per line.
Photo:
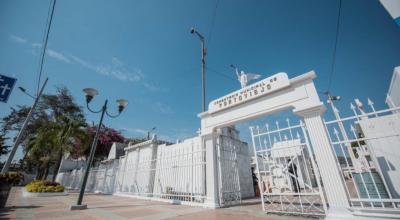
column 121, row 208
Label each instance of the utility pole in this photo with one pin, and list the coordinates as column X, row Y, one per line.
column 21, row 132
column 203, row 68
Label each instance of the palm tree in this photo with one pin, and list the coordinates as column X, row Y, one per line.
column 68, row 133
column 52, row 141
column 39, row 150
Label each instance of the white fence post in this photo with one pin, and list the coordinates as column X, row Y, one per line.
column 330, row 173
column 208, row 142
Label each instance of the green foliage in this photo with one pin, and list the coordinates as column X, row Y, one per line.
column 52, row 141
column 44, row 186
column 50, row 106
column 3, row 146
column 107, row 137
column 51, row 132
column 12, row 178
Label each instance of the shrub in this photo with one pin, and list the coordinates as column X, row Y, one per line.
column 44, row 186
column 12, row 178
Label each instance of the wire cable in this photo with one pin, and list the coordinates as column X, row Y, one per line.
column 221, row 74
column 335, row 47
column 212, row 22
column 44, row 45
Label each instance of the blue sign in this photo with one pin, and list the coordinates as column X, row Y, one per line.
column 6, row 86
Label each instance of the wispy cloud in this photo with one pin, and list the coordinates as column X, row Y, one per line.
column 151, row 87
column 118, row 70
column 115, row 68
column 58, row 56
column 162, row 108
column 154, row 87
column 18, row 39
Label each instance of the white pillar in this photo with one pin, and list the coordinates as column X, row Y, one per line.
column 208, row 142
column 153, row 166
column 325, row 158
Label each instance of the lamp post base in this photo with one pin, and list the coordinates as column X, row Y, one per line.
column 78, row 207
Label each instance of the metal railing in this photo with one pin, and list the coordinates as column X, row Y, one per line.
column 288, row 176
column 363, row 143
column 173, row 172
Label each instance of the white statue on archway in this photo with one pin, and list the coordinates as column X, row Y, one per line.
column 243, row 77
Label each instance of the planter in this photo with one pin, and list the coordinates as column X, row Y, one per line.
column 5, row 188
column 42, row 194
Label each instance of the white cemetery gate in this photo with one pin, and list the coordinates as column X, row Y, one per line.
column 289, row 180
column 272, row 95
column 367, row 151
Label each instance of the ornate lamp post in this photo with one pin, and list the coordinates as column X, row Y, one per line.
column 122, row 103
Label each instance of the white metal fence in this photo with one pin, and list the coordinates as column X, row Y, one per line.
column 288, row 176
column 367, row 151
column 228, row 170
column 174, row 172
column 100, row 179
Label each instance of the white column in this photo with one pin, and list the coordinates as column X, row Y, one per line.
column 325, row 158
column 153, row 166
column 208, row 142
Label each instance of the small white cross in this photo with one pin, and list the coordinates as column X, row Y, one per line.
column 5, row 88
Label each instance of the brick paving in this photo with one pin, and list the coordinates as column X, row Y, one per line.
column 121, row 208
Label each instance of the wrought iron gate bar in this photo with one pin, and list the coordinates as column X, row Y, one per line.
column 365, row 184
column 288, row 176
column 375, row 114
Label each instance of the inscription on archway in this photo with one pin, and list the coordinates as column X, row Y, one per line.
column 261, row 88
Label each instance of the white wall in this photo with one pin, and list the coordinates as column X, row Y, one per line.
column 385, row 147
column 393, row 99
column 180, row 168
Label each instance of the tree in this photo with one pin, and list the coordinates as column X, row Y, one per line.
column 107, row 137
column 39, row 151
column 47, row 136
column 3, row 146
column 69, row 132
column 50, row 107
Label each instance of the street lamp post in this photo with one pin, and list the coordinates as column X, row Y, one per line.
column 203, row 68
column 24, row 125
column 122, row 103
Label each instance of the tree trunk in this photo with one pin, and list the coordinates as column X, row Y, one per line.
column 46, row 172
column 40, row 173
column 37, row 173
column 57, row 167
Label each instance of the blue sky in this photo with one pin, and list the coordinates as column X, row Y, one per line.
column 142, row 51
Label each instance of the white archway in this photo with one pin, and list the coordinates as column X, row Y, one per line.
column 275, row 94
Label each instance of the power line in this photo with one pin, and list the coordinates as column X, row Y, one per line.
column 44, row 45
column 213, row 21
column 220, row 74
column 335, row 46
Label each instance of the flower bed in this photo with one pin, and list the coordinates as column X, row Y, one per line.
column 42, row 186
